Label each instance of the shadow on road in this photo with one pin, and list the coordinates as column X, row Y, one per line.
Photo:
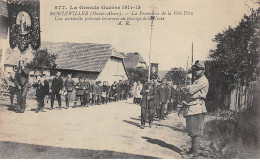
column 14, row 150
column 173, row 128
column 10, row 107
column 132, row 123
column 162, row 144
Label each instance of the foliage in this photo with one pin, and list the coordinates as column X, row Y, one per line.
column 236, row 59
column 177, row 75
column 137, row 74
column 42, row 60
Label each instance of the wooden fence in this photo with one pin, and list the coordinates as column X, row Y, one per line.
column 241, row 97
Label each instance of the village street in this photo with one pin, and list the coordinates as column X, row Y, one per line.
column 103, row 131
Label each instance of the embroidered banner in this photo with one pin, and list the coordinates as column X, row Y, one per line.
column 24, row 24
column 154, row 71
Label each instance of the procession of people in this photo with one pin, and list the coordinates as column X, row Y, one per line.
column 157, row 98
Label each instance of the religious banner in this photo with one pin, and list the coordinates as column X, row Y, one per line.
column 154, row 70
column 24, row 24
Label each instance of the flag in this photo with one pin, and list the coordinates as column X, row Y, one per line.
column 24, row 24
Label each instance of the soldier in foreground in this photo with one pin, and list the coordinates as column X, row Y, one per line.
column 21, row 82
column 147, row 104
column 195, row 103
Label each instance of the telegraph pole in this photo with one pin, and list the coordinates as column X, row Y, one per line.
column 186, row 78
column 152, row 18
column 192, row 53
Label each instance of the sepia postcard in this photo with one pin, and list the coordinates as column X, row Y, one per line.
column 129, row 79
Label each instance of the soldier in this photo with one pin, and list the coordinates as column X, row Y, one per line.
column 147, row 104
column 22, row 85
column 56, row 88
column 69, row 86
column 163, row 98
column 79, row 92
column 197, row 93
column 86, row 96
column 156, row 100
column 169, row 105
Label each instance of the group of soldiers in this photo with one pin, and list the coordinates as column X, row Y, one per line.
column 158, row 100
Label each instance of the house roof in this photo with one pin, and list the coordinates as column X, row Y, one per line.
column 132, row 60
column 72, row 56
column 81, row 56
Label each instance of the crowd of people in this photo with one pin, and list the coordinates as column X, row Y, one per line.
column 157, row 98
column 87, row 92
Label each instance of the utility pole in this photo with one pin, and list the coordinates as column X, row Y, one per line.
column 152, row 18
column 186, row 78
column 192, row 71
column 192, row 53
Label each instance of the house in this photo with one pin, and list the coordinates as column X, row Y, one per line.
column 134, row 60
column 93, row 61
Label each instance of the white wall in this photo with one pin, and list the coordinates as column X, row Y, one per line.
column 113, row 71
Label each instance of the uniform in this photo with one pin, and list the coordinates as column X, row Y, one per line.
column 163, row 99
column 147, row 106
column 198, row 91
column 56, row 87
column 21, row 83
column 157, row 101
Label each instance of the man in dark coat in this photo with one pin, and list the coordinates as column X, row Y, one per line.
column 114, row 91
column 21, row 81
column 147, row 104
column 40, row 94
column 56, row 87
column 163, row 98
column 156, row 87
column 69, row 85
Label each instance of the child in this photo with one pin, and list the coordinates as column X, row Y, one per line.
column 40, row 89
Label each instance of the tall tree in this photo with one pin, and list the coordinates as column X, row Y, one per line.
column 43, row 60
column 177, row 75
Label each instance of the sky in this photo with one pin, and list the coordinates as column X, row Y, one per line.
column 171, row 38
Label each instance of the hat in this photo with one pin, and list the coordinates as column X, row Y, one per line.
column 199, row 65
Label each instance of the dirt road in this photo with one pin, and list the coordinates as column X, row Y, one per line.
column 112, row 127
